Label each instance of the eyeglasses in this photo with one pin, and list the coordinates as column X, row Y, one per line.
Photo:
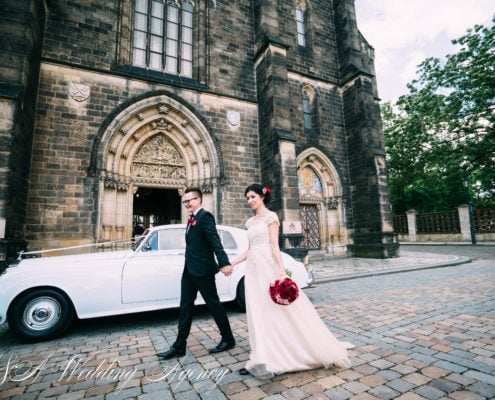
column 188, row 201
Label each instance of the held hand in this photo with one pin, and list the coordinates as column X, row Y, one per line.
column 227, row 270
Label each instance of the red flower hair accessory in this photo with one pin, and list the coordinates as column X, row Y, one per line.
column 266, row 190
column 284, row 292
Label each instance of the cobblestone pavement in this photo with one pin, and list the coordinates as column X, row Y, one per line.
column 418, row 334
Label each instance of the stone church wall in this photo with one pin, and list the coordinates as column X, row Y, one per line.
column 246, row 63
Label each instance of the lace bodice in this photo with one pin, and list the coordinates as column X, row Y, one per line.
column 257, row 229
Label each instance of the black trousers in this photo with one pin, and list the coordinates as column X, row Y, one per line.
column 190, row 285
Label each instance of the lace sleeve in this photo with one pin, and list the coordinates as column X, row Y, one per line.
column 271, row 217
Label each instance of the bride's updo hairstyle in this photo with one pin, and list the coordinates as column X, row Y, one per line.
column 263, row 191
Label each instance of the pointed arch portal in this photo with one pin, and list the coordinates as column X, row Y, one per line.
column 322, row 210
column 154, row 143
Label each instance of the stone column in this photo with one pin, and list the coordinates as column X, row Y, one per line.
column 372, row 233
column 277, row 141
column 411, row 224
column 467, row 231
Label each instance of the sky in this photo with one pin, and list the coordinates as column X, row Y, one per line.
column 406, row 32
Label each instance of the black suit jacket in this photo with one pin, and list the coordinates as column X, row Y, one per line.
column 203, row 245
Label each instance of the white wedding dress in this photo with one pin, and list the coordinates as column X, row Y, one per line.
column 282, row 338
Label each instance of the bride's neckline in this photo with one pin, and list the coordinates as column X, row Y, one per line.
column 262, row 212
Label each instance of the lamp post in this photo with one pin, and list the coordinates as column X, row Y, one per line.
column 470, row 212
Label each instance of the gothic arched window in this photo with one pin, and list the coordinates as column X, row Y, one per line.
column 301, row 27
column 163, row 36
column 310, row 110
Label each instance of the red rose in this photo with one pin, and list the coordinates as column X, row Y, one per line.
column 284, row 292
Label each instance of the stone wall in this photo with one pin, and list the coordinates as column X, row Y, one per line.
column 21, row 34
column 247, row 64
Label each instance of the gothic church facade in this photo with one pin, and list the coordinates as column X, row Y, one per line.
column 111, row 108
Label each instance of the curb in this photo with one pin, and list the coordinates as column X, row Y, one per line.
column 459, row 261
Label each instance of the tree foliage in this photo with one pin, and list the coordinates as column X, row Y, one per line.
column 440, row 137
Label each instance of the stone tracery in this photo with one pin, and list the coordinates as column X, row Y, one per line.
column 155, row 142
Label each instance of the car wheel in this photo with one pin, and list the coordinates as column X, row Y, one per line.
column 240, row 297
column 41, row 314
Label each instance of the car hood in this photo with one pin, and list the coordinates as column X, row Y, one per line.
column 74, row 258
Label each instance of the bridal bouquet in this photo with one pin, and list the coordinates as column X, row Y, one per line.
column 284, row 292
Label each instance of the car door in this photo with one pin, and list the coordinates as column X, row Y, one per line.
column 153, row 274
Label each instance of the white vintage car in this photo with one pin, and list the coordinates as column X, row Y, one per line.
column 40, row 297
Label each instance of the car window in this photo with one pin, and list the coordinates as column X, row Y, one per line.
column 152, row 243
column 172, row 239
column 228, row 240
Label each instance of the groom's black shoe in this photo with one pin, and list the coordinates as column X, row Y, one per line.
column 172, row 353
column 243, row 371
column 222, row 346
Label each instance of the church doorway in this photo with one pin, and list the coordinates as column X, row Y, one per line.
column 310, row 226
column 153, row 206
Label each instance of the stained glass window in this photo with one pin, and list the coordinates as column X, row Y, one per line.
column 309, row 184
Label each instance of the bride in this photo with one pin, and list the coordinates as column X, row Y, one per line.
column 283, row 338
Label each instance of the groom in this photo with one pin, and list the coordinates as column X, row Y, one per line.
column 202, row 246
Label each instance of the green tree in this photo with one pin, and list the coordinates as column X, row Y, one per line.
column 440, row 137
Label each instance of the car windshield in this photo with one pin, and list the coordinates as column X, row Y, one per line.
column 138, row 239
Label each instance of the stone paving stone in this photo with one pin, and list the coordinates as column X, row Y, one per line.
column 364, row 396
column 294, row 393
column 450, row 366
column 384, row 392
column 484, row 389
column 366, row 369
column 338, row 393
column 349, row 375
column 416, row 379
column 429, row 392
column 102, row 389
column 486, row 360
column 434, row 372
column 481, row 377
column 403, row 369
column 444, row 385
column 381, row 364
column 410, row 396
column 126, row 394
column 372, row 380
column 16, row 391
column 250, row 394
column 25, row 396
column 330, row 381
column 297, row 379
column 389, row 375
column 400, row 385
column 312, row 388
column 158, row 395
column 465, row 395
column 355, row 387
column 234, row 387
column 72, row 395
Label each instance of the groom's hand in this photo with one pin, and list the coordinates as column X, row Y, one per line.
column 227, row 270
